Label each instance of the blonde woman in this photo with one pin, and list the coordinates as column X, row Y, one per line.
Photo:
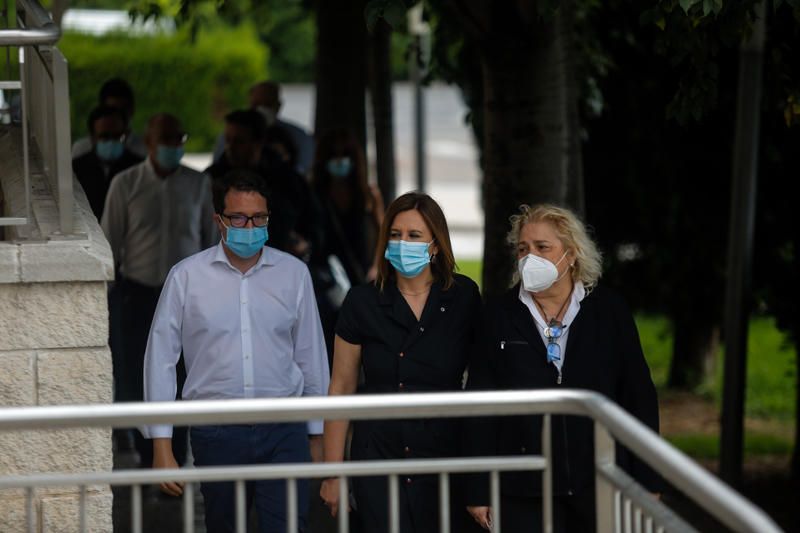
column 556, row 328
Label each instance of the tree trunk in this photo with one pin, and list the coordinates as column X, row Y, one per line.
column 380, row 84
column 58, row 7
column 529, row 149
column 341, row 67
column 694, row 351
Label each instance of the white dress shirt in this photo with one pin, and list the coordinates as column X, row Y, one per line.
column 578, row 294
column 251, row 335
column 152, row 222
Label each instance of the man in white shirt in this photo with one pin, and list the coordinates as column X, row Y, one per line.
column 156, row 213
column 245, row 318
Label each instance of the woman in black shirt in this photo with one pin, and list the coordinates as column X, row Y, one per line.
column 410, row 331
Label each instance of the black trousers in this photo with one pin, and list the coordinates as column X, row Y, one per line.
column 134, row 305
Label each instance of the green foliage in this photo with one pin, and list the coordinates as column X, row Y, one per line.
column 472, row 269
column 197, row 81
column 392, row 11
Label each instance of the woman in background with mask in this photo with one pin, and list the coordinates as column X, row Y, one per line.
column 409, row 331
column 555, row 328
column 353, row 210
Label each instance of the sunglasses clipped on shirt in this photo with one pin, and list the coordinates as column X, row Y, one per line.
column 552, row 333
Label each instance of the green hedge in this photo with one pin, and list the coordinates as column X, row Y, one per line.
column 198, row 82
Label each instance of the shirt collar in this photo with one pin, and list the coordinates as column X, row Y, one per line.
column 268, row 257
column 578, row 294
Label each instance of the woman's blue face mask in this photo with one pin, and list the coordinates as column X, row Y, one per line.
column 409, row 259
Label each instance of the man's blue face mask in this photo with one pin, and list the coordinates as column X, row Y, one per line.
column 109, row 151
column 408, row 258
column 246, row 242
column 169, row 157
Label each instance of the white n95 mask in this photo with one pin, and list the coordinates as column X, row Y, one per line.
column 537, row 273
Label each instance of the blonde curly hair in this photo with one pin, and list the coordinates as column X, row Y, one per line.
column 588, row 264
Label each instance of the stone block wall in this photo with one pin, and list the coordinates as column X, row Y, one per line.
column 54, row 351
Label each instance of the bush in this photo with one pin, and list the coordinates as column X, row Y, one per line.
column 198, row 82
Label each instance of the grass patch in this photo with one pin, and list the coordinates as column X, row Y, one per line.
column 771, row 366
column 707, row 446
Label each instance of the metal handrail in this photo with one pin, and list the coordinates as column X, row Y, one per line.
column 708, row 492
column 44, row 30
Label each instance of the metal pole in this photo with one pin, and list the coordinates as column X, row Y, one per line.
column 604, row 455
column 417, row 66
column 740, row 249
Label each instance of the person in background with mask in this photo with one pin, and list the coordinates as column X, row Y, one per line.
column 108, row 157
column 156, row 214
column 351, row 212
column 411, row 330
column 243, row 315
column 555, row 328
column 265, row 98
column 295, row 227
column 116, row 93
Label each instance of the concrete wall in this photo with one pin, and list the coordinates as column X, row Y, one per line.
column 53, row 351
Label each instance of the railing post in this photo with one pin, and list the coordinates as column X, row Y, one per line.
column 547, row 476
column 604, row 455
column 61, row 141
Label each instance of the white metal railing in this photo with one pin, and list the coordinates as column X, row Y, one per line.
column 44, row 100
column 622, row 504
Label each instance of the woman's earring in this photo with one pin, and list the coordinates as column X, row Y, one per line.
column 433, row 258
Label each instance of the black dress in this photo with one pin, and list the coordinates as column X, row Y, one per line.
column 402, row 355
column 603, row 354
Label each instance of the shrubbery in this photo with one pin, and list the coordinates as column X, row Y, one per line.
column 198, row 82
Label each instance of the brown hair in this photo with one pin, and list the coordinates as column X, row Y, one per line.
column 444, row 264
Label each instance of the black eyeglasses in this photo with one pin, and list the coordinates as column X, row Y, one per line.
column 240, row 221
column 553, row 332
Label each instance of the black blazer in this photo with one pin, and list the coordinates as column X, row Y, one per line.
column 95, row 182
column 603, row 354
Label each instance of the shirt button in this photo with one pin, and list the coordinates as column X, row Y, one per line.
column 441, row 309
column 421, row 329
column 402, row 354
column 408, row 481
column 407, row 450
column 523, row 449
column 400, row 385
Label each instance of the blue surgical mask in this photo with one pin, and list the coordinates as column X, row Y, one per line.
column 339, row 167
column 246, row 242
column 109, row 150
column 169, row 157
column 408, row 258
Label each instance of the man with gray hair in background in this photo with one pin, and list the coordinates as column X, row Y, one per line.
column 265, row 97
column 156, row 214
